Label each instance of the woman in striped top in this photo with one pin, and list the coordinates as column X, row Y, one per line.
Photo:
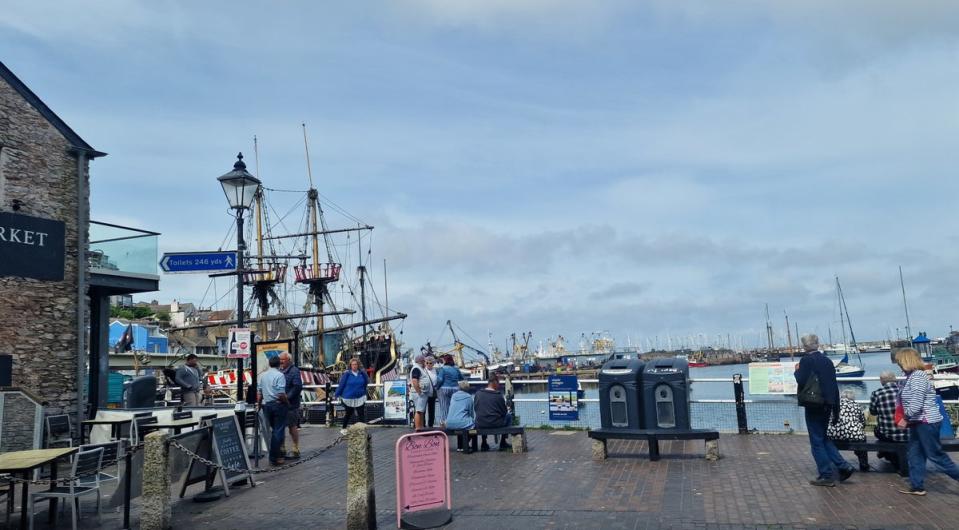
column 923, row 419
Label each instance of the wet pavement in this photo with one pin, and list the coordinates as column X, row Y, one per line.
column 760, row 482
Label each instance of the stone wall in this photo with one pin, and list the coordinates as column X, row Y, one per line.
column 38, row 319
column 19, row 428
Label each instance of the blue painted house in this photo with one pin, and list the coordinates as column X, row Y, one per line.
column 146, row 337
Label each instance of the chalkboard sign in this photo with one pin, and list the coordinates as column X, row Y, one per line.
column 197, row 441
column 230, row 450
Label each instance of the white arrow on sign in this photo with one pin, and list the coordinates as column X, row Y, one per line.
column 165, row 263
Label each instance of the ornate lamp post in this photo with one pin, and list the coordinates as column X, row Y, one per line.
column 240, row 188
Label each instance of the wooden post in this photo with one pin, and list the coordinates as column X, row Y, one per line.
column 360, row 495
column 157, row 512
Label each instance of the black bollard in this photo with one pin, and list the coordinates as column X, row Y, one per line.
column 128, row 472
column 330, row 413
column 740, row 403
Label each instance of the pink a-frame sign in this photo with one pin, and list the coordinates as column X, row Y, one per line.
column 423, row 480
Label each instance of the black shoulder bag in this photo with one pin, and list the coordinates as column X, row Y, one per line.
column 811, row 393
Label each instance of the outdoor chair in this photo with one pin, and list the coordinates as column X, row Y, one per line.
column 86, row 463
column 204, row 420
column 7, row 490
column 182, row 415
column 141, row 428
column 112, row 453
column 59, row 431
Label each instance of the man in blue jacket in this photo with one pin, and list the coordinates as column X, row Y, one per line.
column 824, row 452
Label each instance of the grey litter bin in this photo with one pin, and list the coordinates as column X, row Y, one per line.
column 666, row 394
column 620, row 387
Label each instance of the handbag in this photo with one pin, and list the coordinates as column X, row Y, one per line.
column 899, row 415
column 811, row 393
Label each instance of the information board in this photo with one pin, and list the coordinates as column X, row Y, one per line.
column 563, row 398
column 772, row 378
column 423, row 480
column 229, row 449
column 394, row 400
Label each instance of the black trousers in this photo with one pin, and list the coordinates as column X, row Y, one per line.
column 360, row 411
column 430, row 410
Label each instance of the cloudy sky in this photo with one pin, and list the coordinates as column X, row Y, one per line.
column 650, row 168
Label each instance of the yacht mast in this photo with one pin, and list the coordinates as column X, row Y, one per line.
column 905, row 306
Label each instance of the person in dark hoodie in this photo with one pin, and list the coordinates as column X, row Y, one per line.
column 491, row 412
column 824, row 452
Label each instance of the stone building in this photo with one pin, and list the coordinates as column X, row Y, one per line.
column 43, row 175
column 53, row 286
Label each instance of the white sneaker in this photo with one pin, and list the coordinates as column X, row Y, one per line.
column 343, row 431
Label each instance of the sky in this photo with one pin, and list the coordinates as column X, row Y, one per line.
column 649, row 169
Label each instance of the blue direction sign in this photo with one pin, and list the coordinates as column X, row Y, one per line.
column 176, row 262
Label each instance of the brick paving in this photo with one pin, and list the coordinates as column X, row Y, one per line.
column 760, row 482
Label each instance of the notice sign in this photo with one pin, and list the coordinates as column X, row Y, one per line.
column 394, row 400
column 563, row 399
column 239, row 343
column 31, row 247
column 423, row 480
column 772, row 378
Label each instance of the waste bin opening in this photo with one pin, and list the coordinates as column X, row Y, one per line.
column 665, row 409
column 618, row 409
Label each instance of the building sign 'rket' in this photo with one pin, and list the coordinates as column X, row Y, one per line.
column 31, row 247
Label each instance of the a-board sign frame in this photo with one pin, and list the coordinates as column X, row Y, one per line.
column 422, row 460
column 198, row 471
column 222, row 430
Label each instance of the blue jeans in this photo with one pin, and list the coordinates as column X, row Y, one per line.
column 276, row 413
column 924, row 445
column 824, row 452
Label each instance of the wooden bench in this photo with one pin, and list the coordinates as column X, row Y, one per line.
column 518, row 435
column 900, row 448
column 652, row 437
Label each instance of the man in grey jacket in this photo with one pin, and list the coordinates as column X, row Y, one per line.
column 190, row 381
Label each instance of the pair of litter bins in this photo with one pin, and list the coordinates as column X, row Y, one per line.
column 634, row 394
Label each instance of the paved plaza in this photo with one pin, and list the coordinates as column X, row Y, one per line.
column 760, row 482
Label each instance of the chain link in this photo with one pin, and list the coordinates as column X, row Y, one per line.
column 277, row 469
column 67, row 480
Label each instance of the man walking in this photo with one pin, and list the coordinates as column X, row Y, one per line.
column 272, row 397
column 815, row 364
column 189, row 379
column 294, row 387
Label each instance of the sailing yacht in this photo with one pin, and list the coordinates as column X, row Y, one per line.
column 844, row 370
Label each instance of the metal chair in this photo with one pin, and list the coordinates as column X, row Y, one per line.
column 112, row 453
column 86, row 463
column 7, row 490
column 141, row 428
column 182, row 415
column 59, row 430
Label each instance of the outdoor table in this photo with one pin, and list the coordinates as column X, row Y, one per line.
column 115, row 424
column 24, row 462
column 176, row 425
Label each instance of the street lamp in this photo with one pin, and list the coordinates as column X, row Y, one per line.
column 240, row 188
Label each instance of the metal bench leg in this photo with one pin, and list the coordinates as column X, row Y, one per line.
column 599, row 449
column 653, row 448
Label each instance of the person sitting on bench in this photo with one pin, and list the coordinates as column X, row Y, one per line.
column 491, row 413
column 461, row 414
column 882, row 405
column 851, row 426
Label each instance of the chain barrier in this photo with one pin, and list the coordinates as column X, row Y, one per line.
column 67, row 480
column 277, row 469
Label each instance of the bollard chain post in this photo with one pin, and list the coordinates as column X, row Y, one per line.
column 740, row 403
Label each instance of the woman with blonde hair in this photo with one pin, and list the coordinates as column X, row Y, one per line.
column 923, row 419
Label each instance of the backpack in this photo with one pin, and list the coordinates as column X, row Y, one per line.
column 811, row 393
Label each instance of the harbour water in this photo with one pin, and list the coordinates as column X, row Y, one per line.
column 765, row 412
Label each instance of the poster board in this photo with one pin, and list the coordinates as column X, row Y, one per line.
column 239, row 346
column 563, row 398
column 265, row 350
column 774, row 378
column 423, row 490
column 395, row 401
column 230, row 450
